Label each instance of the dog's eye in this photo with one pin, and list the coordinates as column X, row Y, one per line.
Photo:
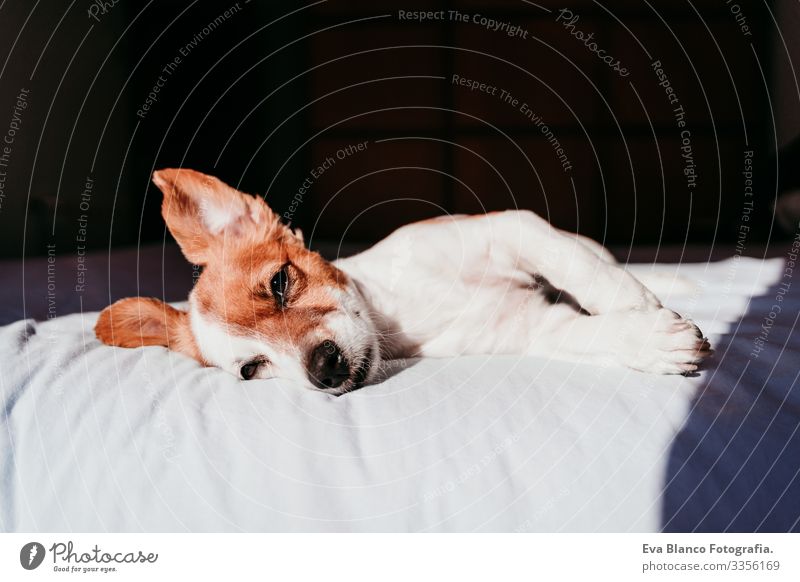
column 249, row 370
column 279, row 285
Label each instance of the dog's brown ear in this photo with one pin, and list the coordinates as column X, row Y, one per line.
column 204, row 214
column 140, row 321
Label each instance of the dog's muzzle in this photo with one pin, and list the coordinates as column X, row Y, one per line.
column 329, row 369
column 327, row 366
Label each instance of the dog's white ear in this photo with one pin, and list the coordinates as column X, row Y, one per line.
column 203, row 213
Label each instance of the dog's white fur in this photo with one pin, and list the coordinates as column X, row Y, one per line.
column 445, row 287
column 468, row 290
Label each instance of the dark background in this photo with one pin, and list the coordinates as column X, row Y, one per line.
column 279, row 86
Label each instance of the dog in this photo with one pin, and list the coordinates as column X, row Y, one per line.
column 501, row 283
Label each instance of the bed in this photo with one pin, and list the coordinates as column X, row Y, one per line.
column 95, row 438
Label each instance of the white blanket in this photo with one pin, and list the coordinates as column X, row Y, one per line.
column 110, row 439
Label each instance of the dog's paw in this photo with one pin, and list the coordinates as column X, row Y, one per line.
column 662, row 342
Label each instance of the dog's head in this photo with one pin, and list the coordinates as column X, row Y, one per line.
column 263, row 306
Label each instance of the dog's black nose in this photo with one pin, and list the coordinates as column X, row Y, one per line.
column 327, row 366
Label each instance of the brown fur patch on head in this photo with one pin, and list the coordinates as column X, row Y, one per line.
column 237, row 293
column 140, row 321
column 242, row 244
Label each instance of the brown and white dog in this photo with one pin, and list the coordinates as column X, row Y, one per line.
column 265, row 306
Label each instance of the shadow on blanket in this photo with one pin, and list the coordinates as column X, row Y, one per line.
column 735, row 465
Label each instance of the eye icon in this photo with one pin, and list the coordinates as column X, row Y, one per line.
column 31, row 555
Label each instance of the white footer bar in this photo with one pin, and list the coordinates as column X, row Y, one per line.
column 401, row 557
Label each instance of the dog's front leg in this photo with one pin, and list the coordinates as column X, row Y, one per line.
column 658, row 341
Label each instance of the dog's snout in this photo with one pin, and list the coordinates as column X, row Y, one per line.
column 327, row 366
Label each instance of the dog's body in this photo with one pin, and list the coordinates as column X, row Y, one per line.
column 265, row 306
